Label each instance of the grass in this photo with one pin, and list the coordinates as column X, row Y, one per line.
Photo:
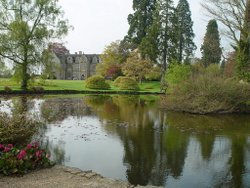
column 77, row 85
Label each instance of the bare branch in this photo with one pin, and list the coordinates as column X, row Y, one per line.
column 230, row 13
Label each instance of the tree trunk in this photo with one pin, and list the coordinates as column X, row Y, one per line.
column 180, row 48
column 25, row 77
column 165, row 48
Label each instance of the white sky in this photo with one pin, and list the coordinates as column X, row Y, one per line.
column 99, row 22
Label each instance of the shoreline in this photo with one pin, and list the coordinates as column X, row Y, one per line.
column 66, row 92
column 64, row 177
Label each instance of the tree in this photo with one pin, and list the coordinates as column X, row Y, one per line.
column 184, row 30
column 167, row 38
column 136, row 67
column 26, row 27
column 159, row 43
column 140, row 20
column 5, row 72
column 235, row 16
column 243, row 50
column 113, row 56
column 210, row 49
column 149, row 46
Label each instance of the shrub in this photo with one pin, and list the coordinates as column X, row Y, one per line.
column 126, row 83
column 206, row 93
column 177, row 73
column 154, row 74
column 118, row 80
column 7, row 89
column 96, row 82
column 37, row 89
column 114, row 71
column 14, row 160
column 17, row 128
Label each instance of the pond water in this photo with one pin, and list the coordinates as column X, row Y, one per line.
column 131, row 138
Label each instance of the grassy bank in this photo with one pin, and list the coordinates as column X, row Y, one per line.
column 53, row 86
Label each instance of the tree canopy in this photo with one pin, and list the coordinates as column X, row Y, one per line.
column 184, row 30
column 136, row 67
column 113, row 56
column 26, row 28
column 140, row 20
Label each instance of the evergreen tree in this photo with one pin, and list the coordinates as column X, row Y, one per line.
column 167, row 39
column 210, row 49
column 185, row 34
column 149, row 46
column 140, row 20
column 159, row 42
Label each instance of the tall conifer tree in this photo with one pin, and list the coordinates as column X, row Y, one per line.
column 167, row 39
column 185, row 34
column 140, row 20
column 210, row 49
column 159, row 42
column 149, row 46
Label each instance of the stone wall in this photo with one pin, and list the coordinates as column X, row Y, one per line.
column 76, row 66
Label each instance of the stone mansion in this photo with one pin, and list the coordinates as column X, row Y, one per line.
column 76, row 66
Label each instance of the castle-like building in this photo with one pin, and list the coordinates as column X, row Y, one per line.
column 66, row 66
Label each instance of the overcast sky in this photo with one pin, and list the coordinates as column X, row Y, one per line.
column 99, row 22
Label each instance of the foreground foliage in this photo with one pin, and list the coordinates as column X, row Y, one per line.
column 20, row 160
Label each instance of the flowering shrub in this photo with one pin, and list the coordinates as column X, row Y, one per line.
column 14, row 160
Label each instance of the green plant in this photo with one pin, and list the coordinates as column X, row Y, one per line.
column 96, row 82
column 15, row 160
column 126, row 83
column 118, row 80
column 7, row 89
column 37, row 89
column 16, row 129
column 208, row 93
column 177, row 73
column 154, row 74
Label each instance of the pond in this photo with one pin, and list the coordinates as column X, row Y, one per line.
column 131, row 138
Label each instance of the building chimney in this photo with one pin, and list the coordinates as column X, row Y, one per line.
column 80, row 52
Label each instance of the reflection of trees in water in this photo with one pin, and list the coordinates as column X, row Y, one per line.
column 233, row 127
column 18, row 126
column 103, row 106
column 151, row 152
column 21, row 105
column 58, row 109
column 57, row 151
column 237, row 161
column 207, row 145
column 175, row 147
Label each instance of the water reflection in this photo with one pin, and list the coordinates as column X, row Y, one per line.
column 17, row 126
column 130, row 138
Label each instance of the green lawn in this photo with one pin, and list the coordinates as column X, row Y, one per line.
column 78, row 85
